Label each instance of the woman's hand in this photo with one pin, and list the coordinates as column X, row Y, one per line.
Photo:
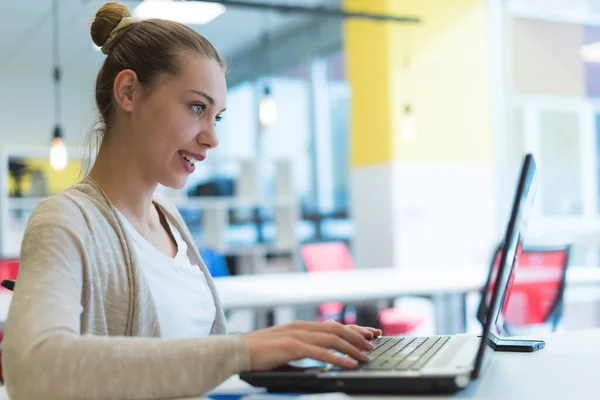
column 275, row 346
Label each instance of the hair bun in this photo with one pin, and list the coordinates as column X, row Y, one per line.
column 107, row 18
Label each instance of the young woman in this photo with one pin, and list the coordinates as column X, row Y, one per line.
column 113, row 299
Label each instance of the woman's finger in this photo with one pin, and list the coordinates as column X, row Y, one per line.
column 363, row 331
column 330, row 341
column 331, row 326
column 321, row 354
column 376, row 332
column 346, row 333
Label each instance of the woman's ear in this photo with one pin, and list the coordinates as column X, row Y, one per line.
column 123, row 87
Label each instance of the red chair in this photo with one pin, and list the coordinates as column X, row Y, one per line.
column 1, row 338
column 8, row 272
column 9, row 268
column 335, row 256
column 536, row 293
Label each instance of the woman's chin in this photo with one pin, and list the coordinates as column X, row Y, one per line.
column 175, row 183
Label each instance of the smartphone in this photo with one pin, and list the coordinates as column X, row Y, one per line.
column 516, row 345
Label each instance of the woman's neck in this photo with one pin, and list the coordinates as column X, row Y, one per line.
column 122, row 178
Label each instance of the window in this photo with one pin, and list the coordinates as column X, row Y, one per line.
column 562, row 133
column 559, row 162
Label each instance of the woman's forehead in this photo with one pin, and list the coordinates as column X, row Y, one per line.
column 198, row 73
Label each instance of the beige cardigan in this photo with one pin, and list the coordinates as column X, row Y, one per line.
column 82, row 323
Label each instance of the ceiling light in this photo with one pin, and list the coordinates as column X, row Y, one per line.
column 408, row 127
column 267, row 111
column 591, row 52
column 58, row 151
column 574, row 12
column 186, row 12
column 59, row 157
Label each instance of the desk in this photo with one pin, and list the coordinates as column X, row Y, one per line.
column 447, row 287
column 291, row 289
column 566, row 369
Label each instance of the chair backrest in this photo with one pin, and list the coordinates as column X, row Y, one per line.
column 9, row 268
column 215, row 262
column 327, row 256
column 536, row 293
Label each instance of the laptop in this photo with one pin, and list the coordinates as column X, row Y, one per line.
column 412, row 365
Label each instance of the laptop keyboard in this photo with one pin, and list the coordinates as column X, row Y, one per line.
column 403, row 353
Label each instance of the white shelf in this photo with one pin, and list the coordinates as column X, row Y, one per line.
column 256, row 249
column 38, row 152
column 214, row 209
column 231, row 202
column 248, row 193
column 11, row 230
column 29, row 203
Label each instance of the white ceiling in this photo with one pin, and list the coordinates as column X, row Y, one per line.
column 26, row 26
column 571, row 11
column 26, row 37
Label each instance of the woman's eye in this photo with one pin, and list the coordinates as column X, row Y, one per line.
column 218, row 118
column 198, row 108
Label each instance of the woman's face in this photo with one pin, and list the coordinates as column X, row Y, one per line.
column 175, row 123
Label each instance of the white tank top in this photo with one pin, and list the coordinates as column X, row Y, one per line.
column 184, row 303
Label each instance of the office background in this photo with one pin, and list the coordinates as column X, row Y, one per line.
column 401, row 139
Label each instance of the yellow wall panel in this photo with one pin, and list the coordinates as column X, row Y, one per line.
column 440, row 66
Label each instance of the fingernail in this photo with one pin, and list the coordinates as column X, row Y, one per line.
column 369, row 346
column 364, row 358
column 352, row 362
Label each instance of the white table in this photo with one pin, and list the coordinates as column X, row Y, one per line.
column 568, row 368
column 446, row 286
column 289, row 289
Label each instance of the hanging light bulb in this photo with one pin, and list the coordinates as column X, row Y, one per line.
column 267, row 111
column 408, row 127
column 58, row 151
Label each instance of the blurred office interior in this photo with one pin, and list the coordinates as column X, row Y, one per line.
column 394, row 142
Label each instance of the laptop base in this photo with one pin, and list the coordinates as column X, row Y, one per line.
column 309, row 383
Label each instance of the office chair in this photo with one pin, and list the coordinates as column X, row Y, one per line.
column 9, row 268
column 335, row 256
column 537, row 302
column 8, row 273
column 215, row 262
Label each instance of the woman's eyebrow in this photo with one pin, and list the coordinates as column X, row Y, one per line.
column 205, row 95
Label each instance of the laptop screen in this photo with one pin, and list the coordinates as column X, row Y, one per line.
column 502, row 275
